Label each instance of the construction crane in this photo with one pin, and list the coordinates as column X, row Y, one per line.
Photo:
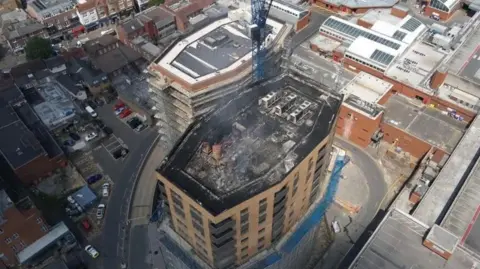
column 260, row 9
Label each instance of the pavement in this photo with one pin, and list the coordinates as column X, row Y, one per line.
column 123, row 173
column 353, row 227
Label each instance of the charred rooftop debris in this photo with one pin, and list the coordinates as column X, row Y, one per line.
column 251, row 143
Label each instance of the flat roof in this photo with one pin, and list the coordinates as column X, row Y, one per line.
column 416, row 65
column 362, row 4
column 397, row 243
column 373, row 52
column 350, row 31
column 57, row 106
column 460, row 163
column 463, row 61
column 406, row 30
column 423, row 122
column 324, row 43
column 461, row 91
column 51, row 237
column 217, row 48
column 258, row 149
column 363, row 93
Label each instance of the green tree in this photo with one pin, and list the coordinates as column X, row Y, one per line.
column 153, row 3
column 38, row 48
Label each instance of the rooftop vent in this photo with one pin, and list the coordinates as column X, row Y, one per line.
column 269, row 100
column 285, row 104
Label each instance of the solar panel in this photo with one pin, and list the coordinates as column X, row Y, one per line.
column 411, row 25
column 398, row 35
column 355, row 32
column 381, row 57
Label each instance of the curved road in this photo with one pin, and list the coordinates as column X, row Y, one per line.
column 353, row 228
column 114, row 224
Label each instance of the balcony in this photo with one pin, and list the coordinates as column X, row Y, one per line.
column 280, row 214
column 280, row 194
column 280, row 203
column 225, row 262
column 221, row 226
column 222, row 237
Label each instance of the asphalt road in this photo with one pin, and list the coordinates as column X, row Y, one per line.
column 316, row 20
column 353, row 228
column 123, row 174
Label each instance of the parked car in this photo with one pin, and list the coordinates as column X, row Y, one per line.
column 94, row 178
column 105, row 189
column 122, row 152
column 125, row 113
column 140, row 128
column 86, row 225
column 119, row 110
column 107, row 130
column 118, row 105
column 74, row 136
column 99, row 123
column 91, row 111
column 92, row 251
column 91, row 136
column 336, row 226
column 100, row 211
column 69, row 142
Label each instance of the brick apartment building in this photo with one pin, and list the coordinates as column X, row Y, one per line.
column 21, row 224
column 18, row 28
column 94, row 13
column 57, row 15
column 152, row 24
column 183, row 10
column 227, row 218
column 27, row 146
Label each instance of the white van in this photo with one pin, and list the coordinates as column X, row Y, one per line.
column 92, row 112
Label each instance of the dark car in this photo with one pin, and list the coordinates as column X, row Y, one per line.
column 120, row 153
column 134, row 122
column 107, row 130
column 99, row 123
column 94, row 178
column 74, row 136
column 69, row 143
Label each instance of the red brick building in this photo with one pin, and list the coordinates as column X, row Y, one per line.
column 352, row 6
column 184, row 10
column 21, row 224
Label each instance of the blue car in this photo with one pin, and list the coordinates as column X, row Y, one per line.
column 94, row 178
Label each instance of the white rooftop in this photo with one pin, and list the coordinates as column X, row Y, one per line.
column 169, row 61
column 363, row 3
column 400, row 29
column 324, row 43
column 416, row 65
column 367, row 88
column 366, row 49
column 380, row 14
column 460, row 91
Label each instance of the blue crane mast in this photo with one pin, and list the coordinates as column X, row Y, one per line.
column 260, row 9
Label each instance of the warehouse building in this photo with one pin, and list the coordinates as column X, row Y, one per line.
column 353, row 6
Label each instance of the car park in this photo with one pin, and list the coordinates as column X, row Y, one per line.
column 105, row 189
column 94, row 178
column 92, row 251
column 134, row 122
column 99, row 123
column 100, row 211
column 90, row 111
column 120, row 153
column 91, row 136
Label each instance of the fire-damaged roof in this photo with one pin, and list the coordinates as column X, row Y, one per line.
column 251, row 143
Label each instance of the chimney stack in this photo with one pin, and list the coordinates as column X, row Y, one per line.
column 217, row 152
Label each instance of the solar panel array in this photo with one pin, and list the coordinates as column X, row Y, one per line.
column 382, row 57
column 411, row 25
column 399, row 35
column 356, row 32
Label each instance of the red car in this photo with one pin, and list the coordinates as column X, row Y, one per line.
column 118, row 105
column 86, row 225
column 125, row 113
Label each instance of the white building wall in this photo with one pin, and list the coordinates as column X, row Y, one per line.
column 88, row 16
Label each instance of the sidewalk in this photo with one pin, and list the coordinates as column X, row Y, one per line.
column 142, row 204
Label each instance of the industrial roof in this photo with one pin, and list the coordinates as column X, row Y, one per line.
column 397, row 243
column 416, row 65
column 50, row 8
column 425, row 123
column 374, row 53
column 350, row 31
column 363, row 93
column 407, row 30
column 362, row 4
column 192, row 60
column 258, row 149
column 457, row 168
column 460, row 91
